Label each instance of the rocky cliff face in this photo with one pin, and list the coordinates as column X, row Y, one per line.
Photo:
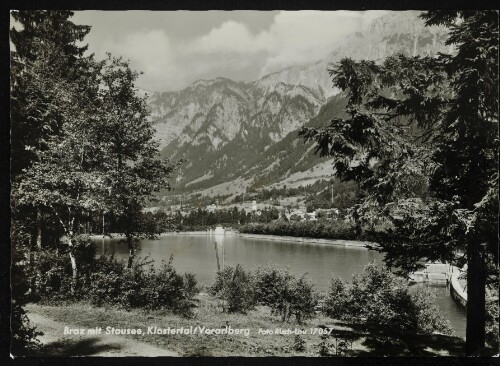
column 392, row 34
column 223, row 128
column 203, row 106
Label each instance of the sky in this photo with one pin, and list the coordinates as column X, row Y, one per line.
column 175, row 48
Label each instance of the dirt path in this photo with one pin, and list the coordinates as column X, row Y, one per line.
column 56, row 343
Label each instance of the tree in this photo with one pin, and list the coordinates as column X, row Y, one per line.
column 46, row 51
column 131, row 165
column 45, row 61
column 66, row 178
column 46, row 58
column 421, row 139
column 98, row 154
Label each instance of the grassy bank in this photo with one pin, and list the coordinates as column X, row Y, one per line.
column 361, row 342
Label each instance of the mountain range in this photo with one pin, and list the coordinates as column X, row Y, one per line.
column 232, row 135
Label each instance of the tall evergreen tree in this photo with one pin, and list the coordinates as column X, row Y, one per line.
column 47, row 60
column 46, row 52
column 422, row 140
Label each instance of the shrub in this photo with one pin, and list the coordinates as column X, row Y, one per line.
column 164, row 288
column 492, row 336
column 325, row 346
column 221, row 279
column 284, row 294
column 299, row 344
column 139, row 287
column 377, row 298
column 335, row 304
column 105, row 280
column 303, row 300
column 190, row 285
column 24, row 336
column 272, row 286
column 235, row 287
column 52, row 275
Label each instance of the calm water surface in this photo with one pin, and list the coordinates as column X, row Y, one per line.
column 196, row 254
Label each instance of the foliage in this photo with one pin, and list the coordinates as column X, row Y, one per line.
column 24, row 336
column 273, row 288
column 165, row 288
column 492, row 319
column 47, row 54
column 335, row 304
column 235, row 287
column 325, row 229
column 284, row 294
column 303, row 301
column 50, row 274
column 378, row 298
column 106, row 281
column 191, row 287
column 131, row 167
column 137, row 287
column 299, row 344
column 52, row 91
column 269, row 285
column 324, row 346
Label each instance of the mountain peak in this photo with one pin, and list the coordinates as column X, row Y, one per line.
column 223, row 128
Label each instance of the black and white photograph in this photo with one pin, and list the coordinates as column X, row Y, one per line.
column 272, row 183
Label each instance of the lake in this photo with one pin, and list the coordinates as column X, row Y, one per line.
column 196, row 254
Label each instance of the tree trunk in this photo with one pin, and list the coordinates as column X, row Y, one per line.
column 38, row 229
column 74, row 267
column 217, row 256
column 34, row 246
column 131, row 251
column 32, row 261
column 476, row 300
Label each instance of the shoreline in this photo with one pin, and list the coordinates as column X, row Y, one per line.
column 301, row 239
column 457, row 291
column 294, row 239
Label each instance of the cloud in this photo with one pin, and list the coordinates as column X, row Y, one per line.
column 230, row 37
column 305, row 36
column 149, row 51
column 294, row 37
